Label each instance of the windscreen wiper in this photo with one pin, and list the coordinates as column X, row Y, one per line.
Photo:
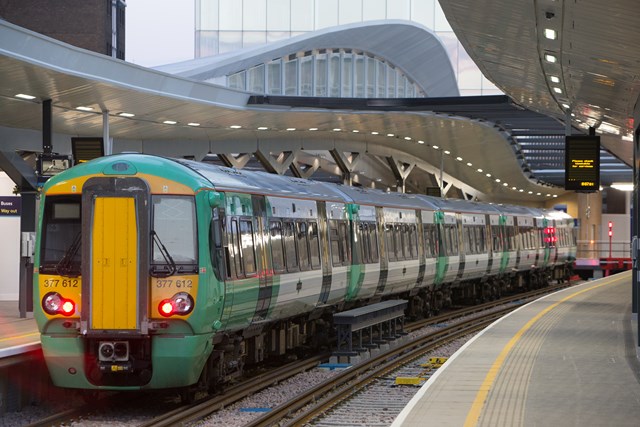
column 65, row 266
column 172, row 268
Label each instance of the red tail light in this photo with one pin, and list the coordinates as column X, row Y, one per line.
column 54, row 303
column 180, row 304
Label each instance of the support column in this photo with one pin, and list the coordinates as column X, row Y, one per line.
column 106, row 141
column 47, row 128
column 401, row 171
column 347, row 164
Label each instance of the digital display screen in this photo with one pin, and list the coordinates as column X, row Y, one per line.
column 582, row 163
column 85, row 149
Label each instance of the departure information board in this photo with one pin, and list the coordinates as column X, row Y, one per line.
column 582, row 163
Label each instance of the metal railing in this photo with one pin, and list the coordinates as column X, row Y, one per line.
column 596, row 249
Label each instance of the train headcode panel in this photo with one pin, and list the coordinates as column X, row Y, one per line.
column 582, row 163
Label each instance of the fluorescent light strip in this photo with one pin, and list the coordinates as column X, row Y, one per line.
column 25, row 96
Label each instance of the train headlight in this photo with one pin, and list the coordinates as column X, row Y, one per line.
column 180, row 304
column 54, row 303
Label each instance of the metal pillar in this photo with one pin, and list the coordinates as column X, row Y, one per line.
column 47, row 128
column 106, row 141
column 27, row 242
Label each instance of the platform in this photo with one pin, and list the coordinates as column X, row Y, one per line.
column 566, row 359
column 16, row 335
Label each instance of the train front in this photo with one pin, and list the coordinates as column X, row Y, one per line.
column 122, row 298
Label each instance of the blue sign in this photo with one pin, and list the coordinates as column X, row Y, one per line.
column 10, row 206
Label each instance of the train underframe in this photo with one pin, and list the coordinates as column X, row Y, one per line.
column 234, row 354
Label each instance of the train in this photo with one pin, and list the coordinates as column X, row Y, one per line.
column 160, row 273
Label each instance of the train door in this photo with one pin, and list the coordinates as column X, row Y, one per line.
column 263, row 257
column 115, row 230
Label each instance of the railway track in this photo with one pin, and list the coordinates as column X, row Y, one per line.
column 327, row 393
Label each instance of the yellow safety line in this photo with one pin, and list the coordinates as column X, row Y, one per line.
column 20, row 336
column 476, row 408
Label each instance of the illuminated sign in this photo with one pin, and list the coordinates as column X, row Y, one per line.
column 582, row 163
column 85, row 149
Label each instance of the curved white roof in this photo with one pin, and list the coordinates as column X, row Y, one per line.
column 411, row 47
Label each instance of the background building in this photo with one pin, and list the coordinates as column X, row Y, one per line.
column 224, row 26
column 97, row 25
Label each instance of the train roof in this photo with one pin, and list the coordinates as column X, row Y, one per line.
column 372, row 196
column 255, row 182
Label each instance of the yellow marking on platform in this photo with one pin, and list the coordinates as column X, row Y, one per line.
column 476, row 408
column 20, row 336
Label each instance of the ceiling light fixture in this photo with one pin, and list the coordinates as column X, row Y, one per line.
column 447, row 152
column 557, row 90
column 337, row 129
column 263, row 128
column 194, row 124
column 420, row 141
column 25, row 96
column 123, row 114
column 408, row 138
column 375, row 133
column 390, row 134
column 435, row 147
column 170, row 122
column 622, row 186
column 550, row 58
column 554, row 79
column 291, row 129
column 235, row 127
column 312, row 129
column 83, row 108
column 550, row 33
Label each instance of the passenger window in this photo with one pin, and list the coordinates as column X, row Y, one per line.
column 337, row 254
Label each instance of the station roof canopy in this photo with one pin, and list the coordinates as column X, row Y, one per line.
column 70, row 77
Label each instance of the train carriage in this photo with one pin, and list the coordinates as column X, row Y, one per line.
column 160, row 273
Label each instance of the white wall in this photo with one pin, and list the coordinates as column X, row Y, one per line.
column 10, row 247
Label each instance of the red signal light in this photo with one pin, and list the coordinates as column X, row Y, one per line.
column 68, row 307
column 166, row 308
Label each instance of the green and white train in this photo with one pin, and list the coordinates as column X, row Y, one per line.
column 160, row 273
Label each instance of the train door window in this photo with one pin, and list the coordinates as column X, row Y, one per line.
column 277, row 248
column 496, row 240
column 247, row 247
column 174, row 223
column 314, row 248
column 365, row 243
column 452, row 238
column 390, row 242
column 236, row 253
column 291, row 255
column 345, row 238
column 216, row 244
column 303, row 246
column 398, row 236
column 480, row 244
column 467, row 239
column 413, row 240
column 337, row 251
column 61, row 241
column 429, row 241
column 373, row 242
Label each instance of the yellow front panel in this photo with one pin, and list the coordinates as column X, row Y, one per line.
column 114, row 265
